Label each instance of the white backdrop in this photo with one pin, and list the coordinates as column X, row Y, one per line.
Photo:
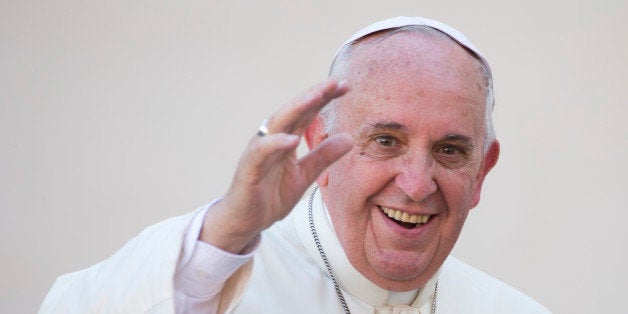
column 117, row 114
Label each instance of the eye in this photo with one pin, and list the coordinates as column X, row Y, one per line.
column 380, row 146
column 385, row 140
column 450, row 150
column 451, row 156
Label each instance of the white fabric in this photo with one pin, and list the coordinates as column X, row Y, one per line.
column 348, row 277
column 138, row 278
column 402, row 21
column 191, row 236
column 286, row 277
column 288, row 260
column 203, row 269
column 198, row 284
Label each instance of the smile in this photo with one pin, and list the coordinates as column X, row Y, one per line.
column 404, row 219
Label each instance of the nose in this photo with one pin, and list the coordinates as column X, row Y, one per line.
column 415, row 177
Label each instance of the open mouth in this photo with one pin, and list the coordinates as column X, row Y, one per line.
column 404, row 219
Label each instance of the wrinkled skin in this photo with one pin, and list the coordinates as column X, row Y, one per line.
column 409, row 137
column 270, row 179
column 415, row 111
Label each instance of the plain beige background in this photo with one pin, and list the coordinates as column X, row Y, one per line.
column 115, row 115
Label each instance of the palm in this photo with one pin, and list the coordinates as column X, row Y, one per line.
column 270, row 179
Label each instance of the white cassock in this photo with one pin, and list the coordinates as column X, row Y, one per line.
column 286, row 275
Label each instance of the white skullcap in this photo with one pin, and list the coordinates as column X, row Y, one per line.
column 402, row 21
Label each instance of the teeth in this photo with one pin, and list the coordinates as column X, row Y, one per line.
column 405, row 217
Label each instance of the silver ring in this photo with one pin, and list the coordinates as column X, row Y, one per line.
column 263, row 129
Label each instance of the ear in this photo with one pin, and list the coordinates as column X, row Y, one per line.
column 488, row 162
column 314, row 135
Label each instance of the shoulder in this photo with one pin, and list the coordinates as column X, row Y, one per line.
column 136, row 278
column 463, row 288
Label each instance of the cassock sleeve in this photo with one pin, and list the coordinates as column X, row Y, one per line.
column 204, row 269
column 140, row 277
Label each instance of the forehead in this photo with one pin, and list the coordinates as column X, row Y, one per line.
column 413, row 55
column 410, row 76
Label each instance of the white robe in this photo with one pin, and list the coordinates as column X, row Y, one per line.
column 286, row 276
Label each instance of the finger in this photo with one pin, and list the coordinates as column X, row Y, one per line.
column 326, row 153
column 295, row 117
column 263, row 153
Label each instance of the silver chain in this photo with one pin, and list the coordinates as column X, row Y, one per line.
column 341, row 297
column 434, row 300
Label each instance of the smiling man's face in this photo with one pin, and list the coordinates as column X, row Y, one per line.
column 416, row 112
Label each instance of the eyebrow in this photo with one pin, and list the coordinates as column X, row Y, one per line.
column 385, row 125
column 459, row 138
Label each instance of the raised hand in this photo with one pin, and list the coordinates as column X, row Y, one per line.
column 270, row 179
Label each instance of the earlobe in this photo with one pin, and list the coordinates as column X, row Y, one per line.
column 323, row 179
column 489, row 161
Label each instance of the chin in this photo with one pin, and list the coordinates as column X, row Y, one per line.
column 393, row 275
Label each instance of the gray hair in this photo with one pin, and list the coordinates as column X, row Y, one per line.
column 340, row 68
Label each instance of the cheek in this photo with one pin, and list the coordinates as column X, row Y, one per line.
column 451, row 230
column 458, row 189
column 356, row 173
column 352, row 182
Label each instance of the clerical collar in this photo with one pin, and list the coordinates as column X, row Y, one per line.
column 349, row 279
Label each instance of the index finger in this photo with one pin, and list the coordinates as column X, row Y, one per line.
column 296, row 116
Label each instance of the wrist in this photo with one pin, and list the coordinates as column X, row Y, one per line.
column 226, row 232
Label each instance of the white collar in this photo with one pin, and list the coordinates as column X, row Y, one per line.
column 349, row 279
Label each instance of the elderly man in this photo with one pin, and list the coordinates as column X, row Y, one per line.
column 399, row 156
